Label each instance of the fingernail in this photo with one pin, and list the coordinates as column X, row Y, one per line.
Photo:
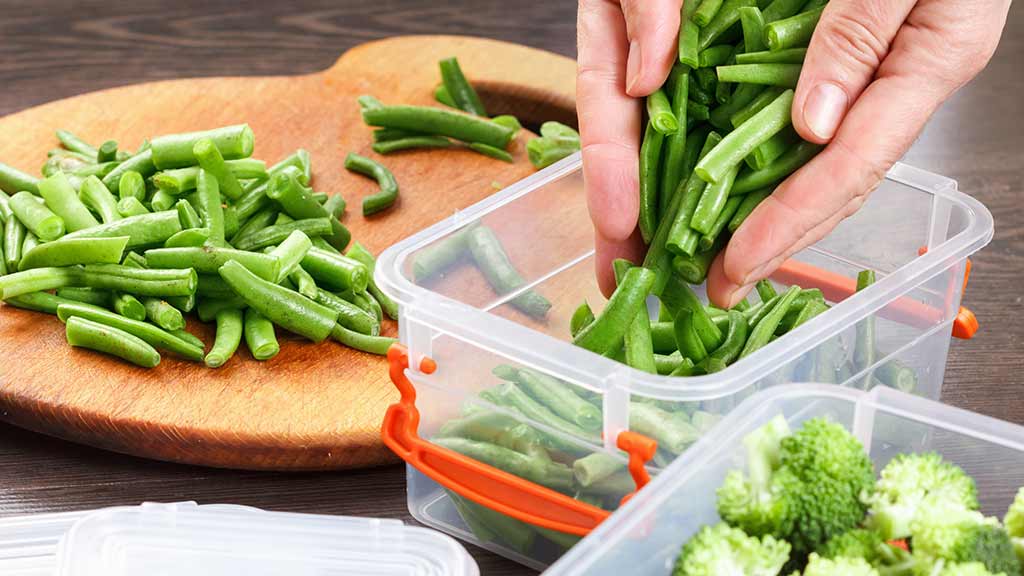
column 824, row 109
column 633, row 66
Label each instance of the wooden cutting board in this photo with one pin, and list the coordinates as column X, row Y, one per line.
column 312, row 407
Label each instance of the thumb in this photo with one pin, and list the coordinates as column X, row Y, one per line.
column 850, row 42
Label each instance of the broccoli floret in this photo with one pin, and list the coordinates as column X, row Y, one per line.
column 950, row 533
column 966, row 569
column 843, row 566
column 857, row 543
column 1014, row 522
column 914, row 482
column 722, row 550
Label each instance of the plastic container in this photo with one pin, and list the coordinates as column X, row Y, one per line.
column 28, row 544
column 170, row 540
column 916, row 231
column 645, row 536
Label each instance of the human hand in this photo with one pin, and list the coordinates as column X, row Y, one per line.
column 875, row 71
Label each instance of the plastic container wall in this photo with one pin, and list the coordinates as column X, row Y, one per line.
column 451, row 314
column 645, row 537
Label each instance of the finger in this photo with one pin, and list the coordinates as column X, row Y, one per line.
column 607, row 251
column 652, row 27
column 850, row 42
column 609, row 120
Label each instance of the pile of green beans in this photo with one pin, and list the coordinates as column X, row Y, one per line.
column 122, row 246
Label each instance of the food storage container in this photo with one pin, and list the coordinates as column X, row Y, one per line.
column 169, row 540
column 462, row 339
column 645, row 536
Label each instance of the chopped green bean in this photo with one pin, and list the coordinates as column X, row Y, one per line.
column 229, row 335
column 496, row 266
column 36, row 217
column 13, row 180
column 147, row 332
column 178, row 150
column 778, row 170
column 792, row 32
column 442, row 122
column 460, row 90
column 717, row 164
column 788, row 56
column 74, row 251
column 259, row 336
column 63, row 200
column 102, row 338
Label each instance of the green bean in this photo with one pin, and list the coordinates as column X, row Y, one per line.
column 30, row 242
column 441, row 255
column 84, row 333
column 496, row 428
column 5, row 207
column 288, row 255
column 650, row 161
column 792, row 32
column 637, row 339
column 753, row 29
column 359, row 253
column 210, row 307
column 723, row 93
column 704, row 83
column 706, row 11
column 607, row 333
column 74, row 251
column 510, row 121
column 721, row 160
column 107, row 152
column 442, row 95
column 161, row 313
column 689, row 42
column 36, row 280
column 63, row 201
column 742, row 96
column 14, row 236
column 687, row 340
column 595, row 467
column 491, row 151
column 3, row 262
column 722, row 22
column 13, row 180
column 38, row 302
column 678, row 296
column 715, row 56
column 773, row 148
column 731, row 347
column 545, row 151
column 496, row 266
column 76, row 144
column 282, row 306
column 209, row 259
column 510, row 395
column 388, row 193
column 681, row 238
column 142, row 163
column 36, row 217
column 780, row 9
column 259, row 336
column 788, row 56
column 459, row 89
column 147, row 332
column 273, row 235
column 340, row 236
column 785, row 75
column 764, row 329
column 128, row 306
column 762, row 100
column 229, row 335
column 258, row 221
column 712, row 202
column 141, row 282
column 294, row 199
column 143, row 230
column 675, row 146
column 131, row 184
column 367, row 102
column 374, row 307
column 191, row 238
column 581, row 318
column 389, row 134
column 694, row 269
column 161, row 201
column 179, row 181
column 778, row 170
column 442, row 122
column 96, row 197
column 177, row 150
column 544, row 472
column 672, row 363
column 349, row 315
column 187, row 337
column 672, row 432
column 371, row 344
column 895, row 375
column 101, row 298
column 765, row 290
column 558, row 397
column 708, row 240
column 188, row 216
column 334, row 271
column 659, row 110
column 412, row 142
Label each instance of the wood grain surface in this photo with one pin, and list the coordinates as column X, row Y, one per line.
column 51, row 50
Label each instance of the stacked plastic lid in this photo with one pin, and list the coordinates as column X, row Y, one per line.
column 189, row 540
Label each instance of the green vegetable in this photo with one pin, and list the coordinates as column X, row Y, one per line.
column 459, row 89
column 62, row 199
column 259, row 336
column 178, row 150
column 84, row 333
column 721, row 549
column 441, row 122
column 606, row 333
column 229, row 335
column 496, row 266
column 388, row 194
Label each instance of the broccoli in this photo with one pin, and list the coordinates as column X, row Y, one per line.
column 857, row 543
column 914, row 482
column 950, row 533
column 721, row 550
column 1014, row 522
column 966, row 569
column 819, row 566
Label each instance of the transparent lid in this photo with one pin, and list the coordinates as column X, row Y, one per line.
column 161, row 540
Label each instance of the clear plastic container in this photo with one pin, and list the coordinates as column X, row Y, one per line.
column 170, row 540
column 456, row 319
column 645, row 536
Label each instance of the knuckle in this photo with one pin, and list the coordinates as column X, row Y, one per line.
column 853, row 39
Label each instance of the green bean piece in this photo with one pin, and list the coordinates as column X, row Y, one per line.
column 74, row 251
column 792, row 32
column 212, row 162
column 753, row 25
column 76, row 144
column 694, row 269
column 14, row 236
column 459, row 89
column 36, row 280
column 894, row 374
column 544, row 472
column 509, row 121
column 210, row 204
column 96, row 197
column 30, row 242
column 510, row 395
column 107, row 152
column 715, row 56
column 441, row 122
column 788, row 56
column 810, row 310
column 304, row 283
column 706, row 12
column 779, row 9
column 724, row 19
column 191, row 238
column 441, row 255
column 650, row 161
column 5, row 207
column 660, row 112
column 689, row 43
column 210, row 307
column 13, row 180
column 698, row 93
column 389, row 134
column 101, row 298
column 371, row 344
column 747, row 206
column 179, row 181
column 161, row 201
column 763, row 331
column 187, row 337
column 209, row 259
column 178, row 150
column 131, row 185
column 709, row 240
column 773, row 148
column 667, row 364
column 141, row 163
column 741, row 96
column 678, row 296
column 84, row 333
column 762, row 100
column 778, row 170
column 731, row 347
column 141, row 282
column 712, row 202
column 680, row 237
column 496, row 428
column 349, row 315
column 675, row 146
column 388, row 193
column 294, row 199
column 3, row 262
column 143, row 230
column 491, row 152
column 558, row 397
column 259, row 336
column 229, row 336
column 62, row 199
column 637, row 339
column 257, row 222
column 367, row 102
column 289, row 255
column 545, row 151
column 187, row 214
column 334, row 271
column 595, row 467
column 687, row 340
column 359, row 253
column 864, row 351
column 36, row 217
column 410, row 143
column 128, row 306
column 785, row 75
column 340, row 236
column 442, row 96
column 146, row 332
column 38, row 302
column 581, row 318
column 672, row 432
column 607, row 333
column 765, row 290
column 494, row 263
column 282, row 306
column 717, row 164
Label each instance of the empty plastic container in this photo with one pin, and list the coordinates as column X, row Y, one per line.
column 645, row 536
column 916, row 231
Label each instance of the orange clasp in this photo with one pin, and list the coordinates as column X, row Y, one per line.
column 485, row 484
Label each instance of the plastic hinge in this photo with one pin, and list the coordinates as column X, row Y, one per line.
column 485, row 484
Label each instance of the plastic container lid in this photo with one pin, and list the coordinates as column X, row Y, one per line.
column 163, row 540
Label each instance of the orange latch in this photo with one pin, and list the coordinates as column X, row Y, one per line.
column 485, row 484
column 837, row 287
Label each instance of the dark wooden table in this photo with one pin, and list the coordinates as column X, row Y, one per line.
column 51, row 49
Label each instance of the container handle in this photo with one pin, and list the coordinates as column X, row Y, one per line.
column 837, row 287
column 485, row 484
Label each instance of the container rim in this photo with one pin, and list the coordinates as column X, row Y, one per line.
column 728, row 434
column 513, row 340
